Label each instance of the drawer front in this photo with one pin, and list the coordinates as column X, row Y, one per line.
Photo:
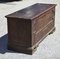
column 39, row 23
column 42, row 20
column 42, row 32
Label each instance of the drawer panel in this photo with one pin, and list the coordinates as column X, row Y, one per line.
column 42, row 20
column 42, row 32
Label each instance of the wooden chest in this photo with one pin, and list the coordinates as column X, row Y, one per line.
column 29, row 26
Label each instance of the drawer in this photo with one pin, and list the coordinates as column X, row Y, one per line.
column 42, row 20
column 42, row 32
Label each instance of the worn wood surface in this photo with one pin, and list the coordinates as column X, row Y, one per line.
column 28, row 26
column 31, row 11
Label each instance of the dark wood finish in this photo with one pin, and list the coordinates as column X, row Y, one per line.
column 29, row 26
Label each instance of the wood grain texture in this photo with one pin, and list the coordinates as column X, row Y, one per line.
column 32, row 11
column 29, row 26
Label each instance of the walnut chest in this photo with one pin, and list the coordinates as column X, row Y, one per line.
column 29, row 26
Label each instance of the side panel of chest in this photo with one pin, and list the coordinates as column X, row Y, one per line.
column 19, row 32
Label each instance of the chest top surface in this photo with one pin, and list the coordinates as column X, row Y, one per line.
column 31, row 11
